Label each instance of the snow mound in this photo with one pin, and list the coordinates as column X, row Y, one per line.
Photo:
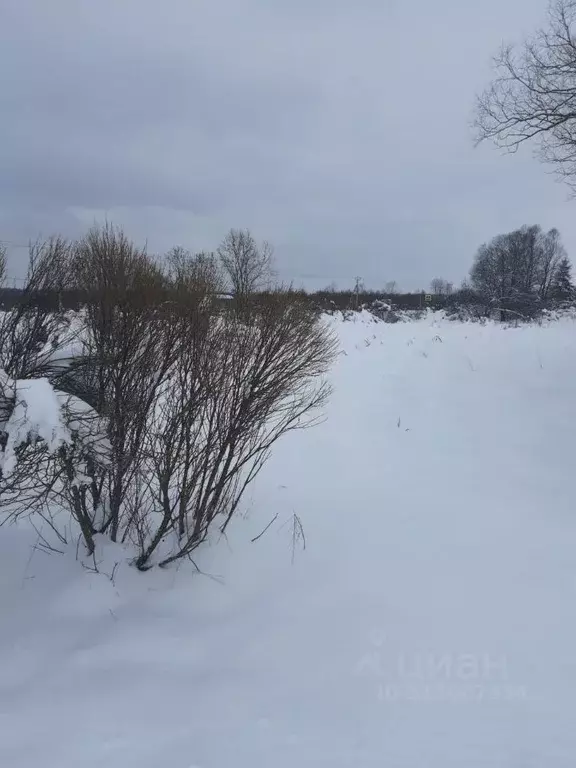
column 36, row 415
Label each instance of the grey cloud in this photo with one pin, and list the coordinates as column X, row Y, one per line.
column 338, row 130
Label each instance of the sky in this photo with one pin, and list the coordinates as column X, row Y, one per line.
column 338, row 130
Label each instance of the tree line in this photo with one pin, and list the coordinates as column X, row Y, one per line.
column 519, row 272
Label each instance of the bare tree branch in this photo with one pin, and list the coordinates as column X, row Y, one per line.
column 248, row 266
column 534, row 94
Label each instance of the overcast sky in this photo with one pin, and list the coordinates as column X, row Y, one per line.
column 336, row 129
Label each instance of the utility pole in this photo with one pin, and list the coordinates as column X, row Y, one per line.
column 357, row 290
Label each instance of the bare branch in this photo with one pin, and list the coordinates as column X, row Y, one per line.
column 248, row 266
column 533, row 96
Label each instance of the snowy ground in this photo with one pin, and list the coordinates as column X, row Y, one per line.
column 429, row 623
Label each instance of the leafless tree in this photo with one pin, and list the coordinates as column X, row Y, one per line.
column 534, row 93
column 441, row 287
column 552, row 252
column 391, row 287
column 248, row 266
column 3, row 264
column 199, row 271
column 561, row 287
column 518, row 266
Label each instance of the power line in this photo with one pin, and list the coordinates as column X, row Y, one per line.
column 13, row 244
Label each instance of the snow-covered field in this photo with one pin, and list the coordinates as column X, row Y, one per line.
column 430, row 621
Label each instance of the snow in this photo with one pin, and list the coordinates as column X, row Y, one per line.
column 84, row 423
column 429, row 621
column 36, row 415
column 37, row 411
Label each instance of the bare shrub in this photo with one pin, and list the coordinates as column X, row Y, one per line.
column 170, row 408
column 127, row 354
column 238, row 386
column 31, row 331
column 48, row 438
column 33, row 336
